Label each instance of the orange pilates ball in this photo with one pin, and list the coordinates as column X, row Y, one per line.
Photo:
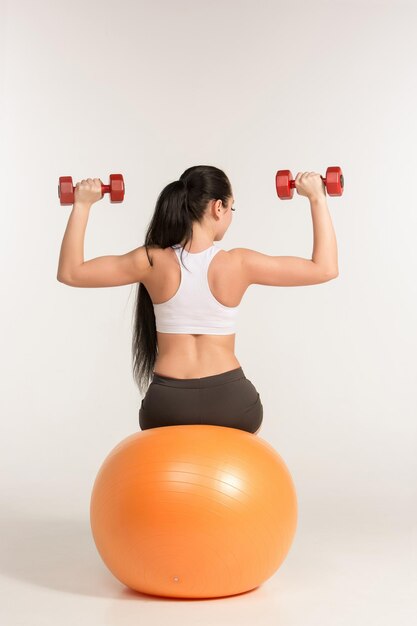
column 193, row 511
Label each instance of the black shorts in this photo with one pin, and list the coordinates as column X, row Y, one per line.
column 226, row 399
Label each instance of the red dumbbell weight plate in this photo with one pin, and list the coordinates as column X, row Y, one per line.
column 117, row 188
column 283, row 179
column 66, row 190
column 334, row 181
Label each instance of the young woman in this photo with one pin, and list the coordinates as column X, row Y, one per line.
column 189, row 293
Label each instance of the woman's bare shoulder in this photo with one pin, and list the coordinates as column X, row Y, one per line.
column 155, row 252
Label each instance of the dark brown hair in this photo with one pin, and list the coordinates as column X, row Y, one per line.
column 178, row 205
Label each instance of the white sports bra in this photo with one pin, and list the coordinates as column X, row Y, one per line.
column 193, row 308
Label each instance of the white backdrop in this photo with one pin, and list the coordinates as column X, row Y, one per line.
column 148, row 89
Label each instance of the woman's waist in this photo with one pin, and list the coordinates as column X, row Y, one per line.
column 213, row 380
column 178, row 365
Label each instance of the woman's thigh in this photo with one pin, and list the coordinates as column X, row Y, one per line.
column 235, row 404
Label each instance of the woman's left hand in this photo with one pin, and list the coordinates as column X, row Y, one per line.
column 88, row 191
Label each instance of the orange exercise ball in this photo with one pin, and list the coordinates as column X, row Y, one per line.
column 193, row 511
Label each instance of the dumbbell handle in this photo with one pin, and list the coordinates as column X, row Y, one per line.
column 104, row 188
column 292, row 182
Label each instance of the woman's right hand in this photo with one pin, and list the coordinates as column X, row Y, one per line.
column 310, row 184
column 88, row 191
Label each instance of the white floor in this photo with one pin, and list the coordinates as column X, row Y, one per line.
column 342, row 574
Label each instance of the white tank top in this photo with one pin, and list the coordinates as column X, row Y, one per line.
column 193, row 309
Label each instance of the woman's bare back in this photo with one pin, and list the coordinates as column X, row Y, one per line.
column 195, row 356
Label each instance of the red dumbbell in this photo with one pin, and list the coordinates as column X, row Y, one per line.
column 116, row 189
column 285, row 184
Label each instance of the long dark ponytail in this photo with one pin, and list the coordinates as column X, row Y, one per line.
column 178, row 205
